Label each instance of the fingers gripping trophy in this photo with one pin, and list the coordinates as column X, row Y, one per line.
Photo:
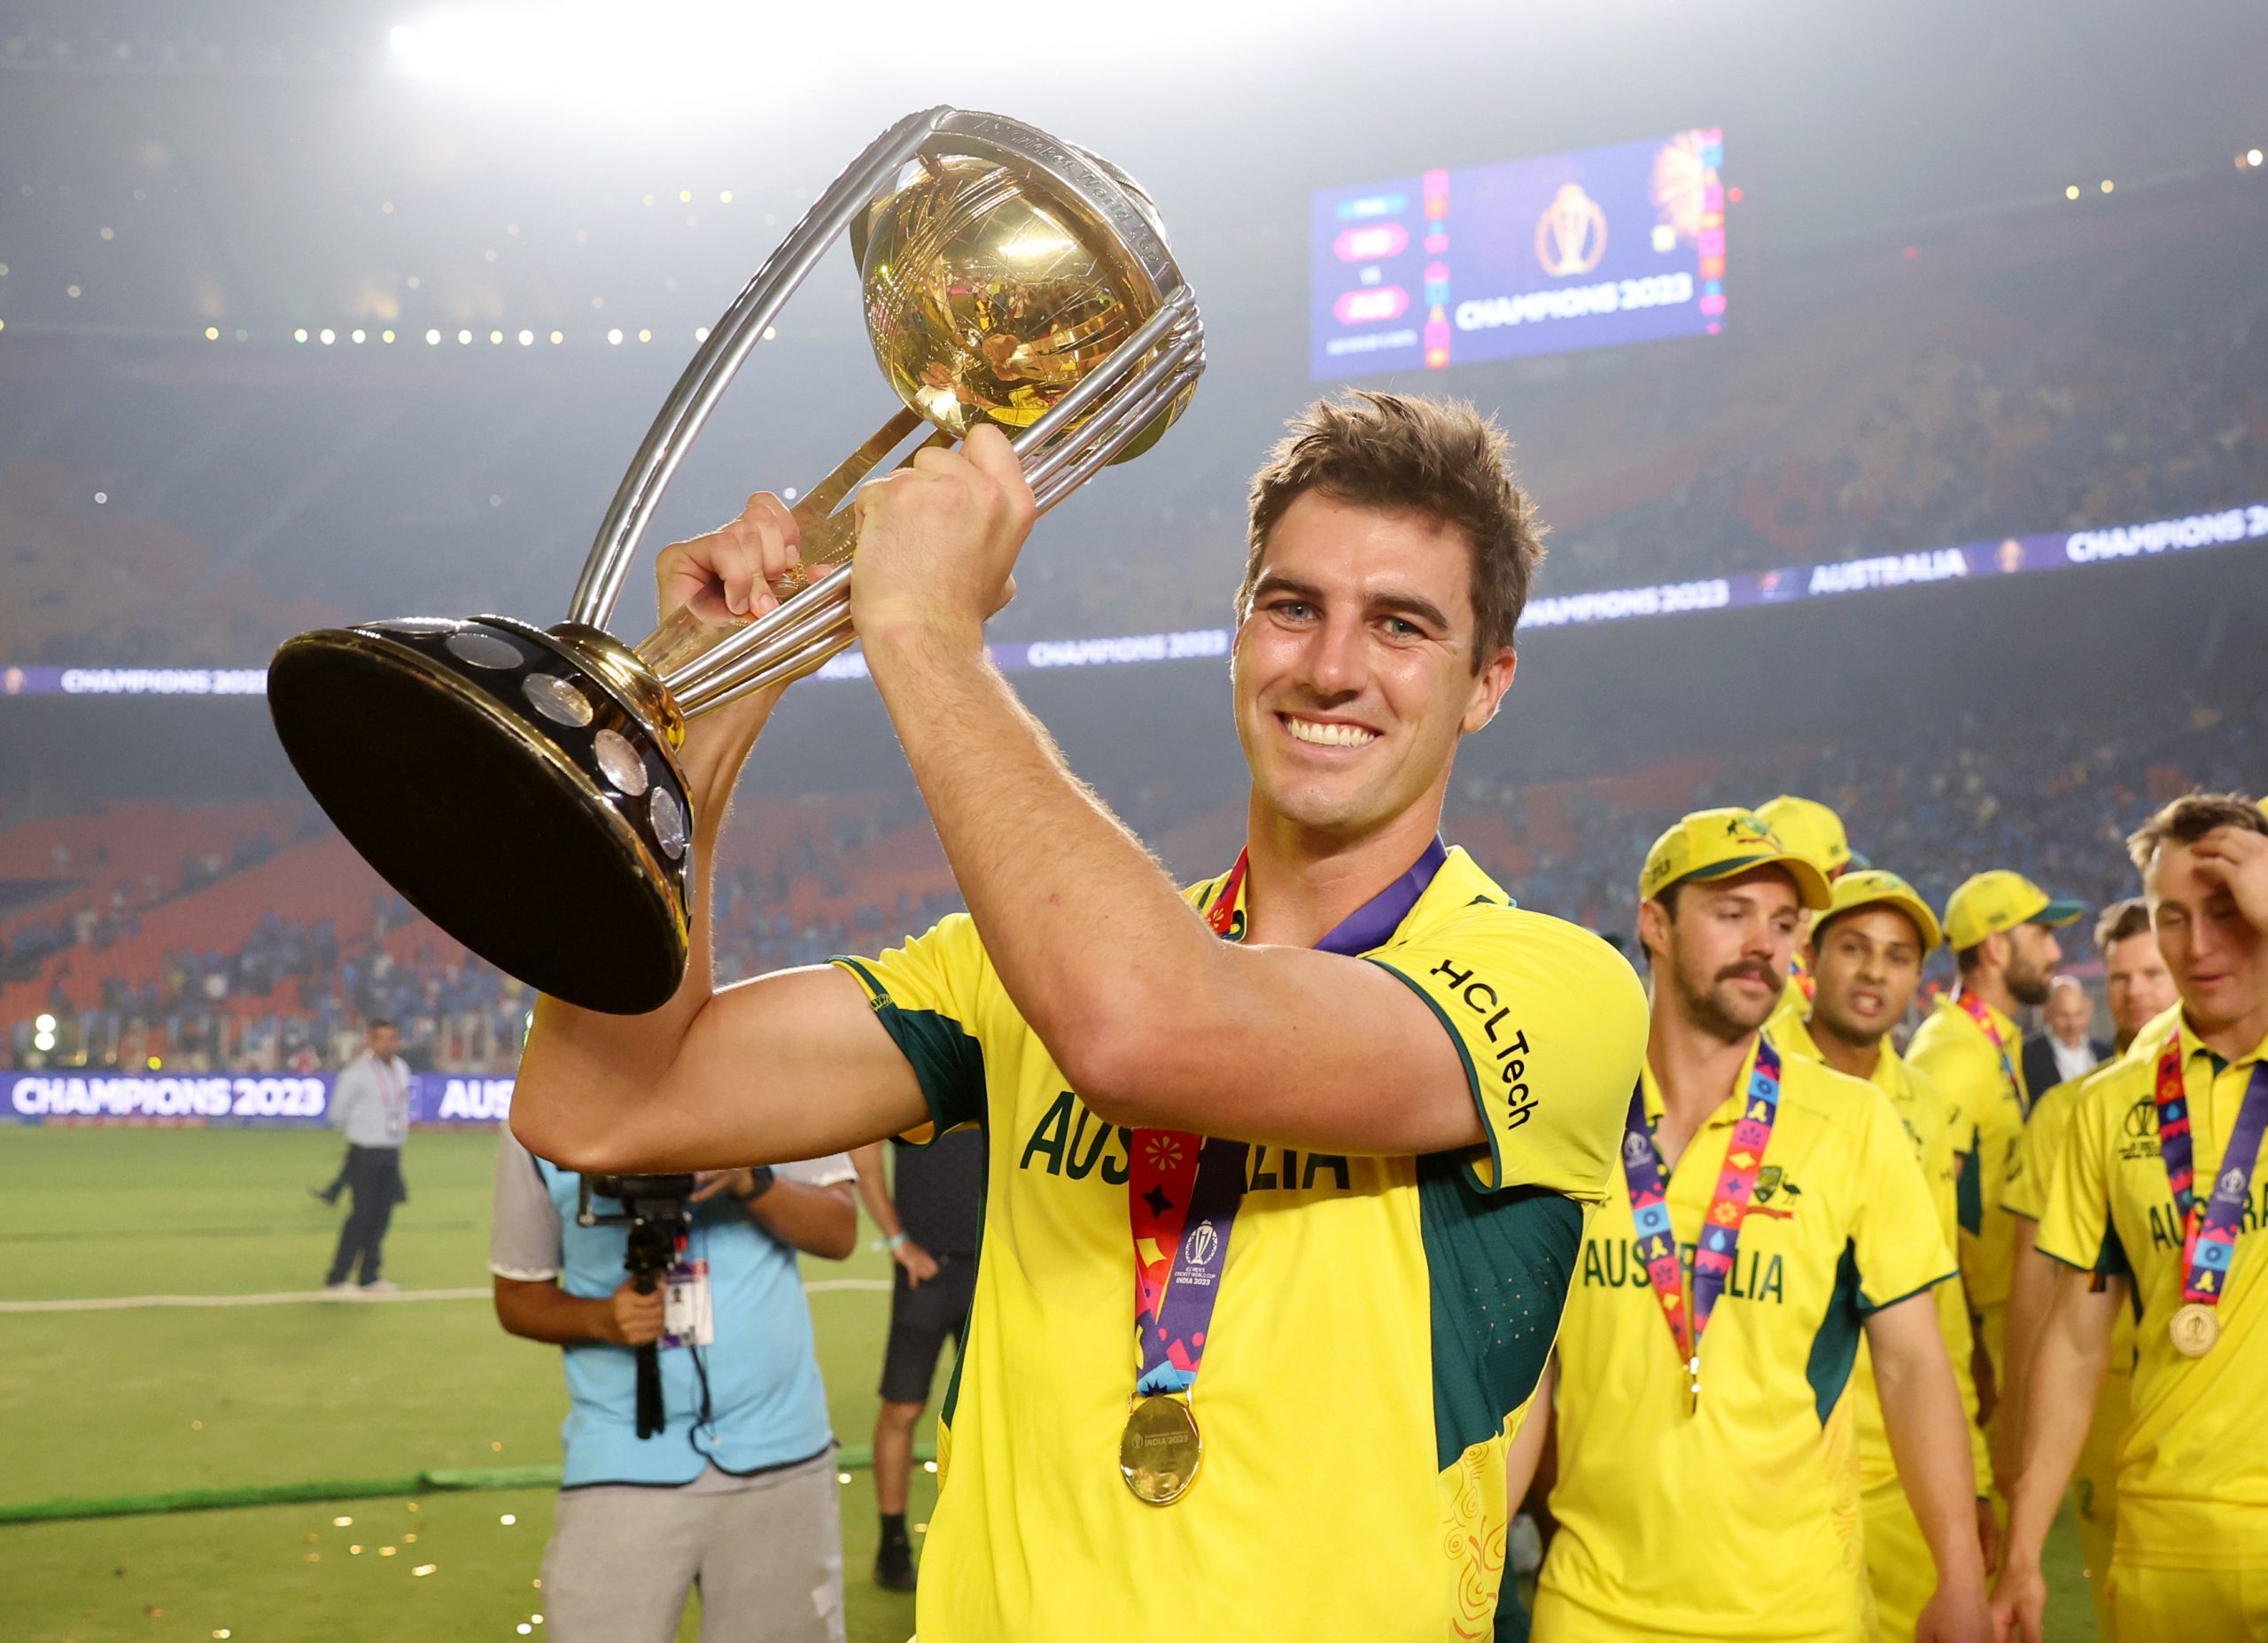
column 1008, row 278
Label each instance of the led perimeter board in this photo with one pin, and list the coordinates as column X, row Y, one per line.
column 1588, row 248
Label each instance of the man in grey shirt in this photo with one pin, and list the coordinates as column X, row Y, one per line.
column 370, row 1103
column 736, row 1493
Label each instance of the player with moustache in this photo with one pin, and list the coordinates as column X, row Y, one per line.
column 1338, row 1112
column 1767, row 1215
column 1865, row 956
column 2153, row 1206
column 2138, row 989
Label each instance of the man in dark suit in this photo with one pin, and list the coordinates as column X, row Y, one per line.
column 2066, row 1048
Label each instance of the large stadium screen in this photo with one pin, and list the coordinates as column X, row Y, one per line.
column 1588, row 248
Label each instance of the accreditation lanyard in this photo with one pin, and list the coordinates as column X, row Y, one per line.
column 1714, row 1255
column 1183, row 1190
column 1974, row 1008
column 2208, row 1238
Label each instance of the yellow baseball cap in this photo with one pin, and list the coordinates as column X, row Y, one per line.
column 1874, row 888
column 1811, row 829
column 1709, row 845
column 2000, row 900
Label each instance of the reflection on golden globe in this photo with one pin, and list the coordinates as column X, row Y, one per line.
column 986, row 302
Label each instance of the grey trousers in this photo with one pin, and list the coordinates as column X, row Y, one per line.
column 766, row 1553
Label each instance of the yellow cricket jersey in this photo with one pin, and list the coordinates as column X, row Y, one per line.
column 1381, row 1327
column 1923, row 1113
column 2193, row 1491
column 1722, row 1522
column 2039, row 1151
column 1988, row 1115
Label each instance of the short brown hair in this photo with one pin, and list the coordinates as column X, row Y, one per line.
column 2189, row 818
column 1439, row 458
column 2122, row 921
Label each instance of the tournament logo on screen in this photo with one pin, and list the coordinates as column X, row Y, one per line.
column 1570, row 234
column 1589, row 249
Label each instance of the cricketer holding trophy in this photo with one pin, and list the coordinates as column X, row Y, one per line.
column 1288, row 1170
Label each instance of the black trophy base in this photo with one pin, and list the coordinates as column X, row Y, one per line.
column 507, row 790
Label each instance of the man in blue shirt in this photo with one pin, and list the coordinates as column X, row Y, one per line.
column 737, row 1492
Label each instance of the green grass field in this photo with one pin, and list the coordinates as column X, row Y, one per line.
column 145, row 1401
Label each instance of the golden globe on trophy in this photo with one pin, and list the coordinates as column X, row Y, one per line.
column 1008, row 278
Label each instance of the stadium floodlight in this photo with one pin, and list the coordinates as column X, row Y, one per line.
column 2253, row 156
column 43, row 1022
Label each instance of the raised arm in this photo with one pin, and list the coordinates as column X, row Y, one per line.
column 1154, row 1019
column 789, row 1066
column 1929, row 1439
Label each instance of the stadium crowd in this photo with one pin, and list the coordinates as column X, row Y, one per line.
column 1945, row 799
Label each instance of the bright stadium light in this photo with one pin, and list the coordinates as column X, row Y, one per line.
column 685, row 61
column 43, row 1023
column 432, row 337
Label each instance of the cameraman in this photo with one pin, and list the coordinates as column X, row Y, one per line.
column 737, row 1493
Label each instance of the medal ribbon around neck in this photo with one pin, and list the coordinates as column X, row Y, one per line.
column 1974, row 1008
column 1719, row 1243
column 1184, row 1190
column 2208, row 1238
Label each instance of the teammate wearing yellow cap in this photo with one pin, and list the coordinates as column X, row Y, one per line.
column 1767, row 1213
column 1809, row 828
column 1866, row 952
column 2002, row 928
column 2139, row 987
column 2157, row 1195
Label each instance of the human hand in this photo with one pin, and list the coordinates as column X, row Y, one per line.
column 1954, row 1615
column 2020, row 1603
column 920, row 1265
column 733, row 573
column 2237, row 859
column 707, row 1183
column 937, row 541
column 631, row 1319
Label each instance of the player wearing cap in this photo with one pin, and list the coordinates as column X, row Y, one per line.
column 1696, row 1490
column 2002, row 928
column 1809, row 828
column 1866, row 953
column 2138, row 989
column 2157, row 1195
column 1287, row 1171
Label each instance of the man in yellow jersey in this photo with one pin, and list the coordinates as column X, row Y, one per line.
column 2138, row 989
column 1287, row 1171
column 1866, row 953
column 2002, row 928
column 1809, row 828
column 2158, row 1196
column 1719, row 1308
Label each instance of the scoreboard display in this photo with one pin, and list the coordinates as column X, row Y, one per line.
column 1587, row 249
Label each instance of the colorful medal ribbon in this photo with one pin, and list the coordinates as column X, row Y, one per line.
column 2208, row 1238
column 1183, row 1190
column 1713, row 1256
column 1974, row 1008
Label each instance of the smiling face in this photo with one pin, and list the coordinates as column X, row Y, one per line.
column 1353, row 670
column 2219, row 961
column 1866, row 966
column 1723, row 957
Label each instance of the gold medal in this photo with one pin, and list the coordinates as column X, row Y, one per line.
column 1158, row 1451
column 2195, row 1329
